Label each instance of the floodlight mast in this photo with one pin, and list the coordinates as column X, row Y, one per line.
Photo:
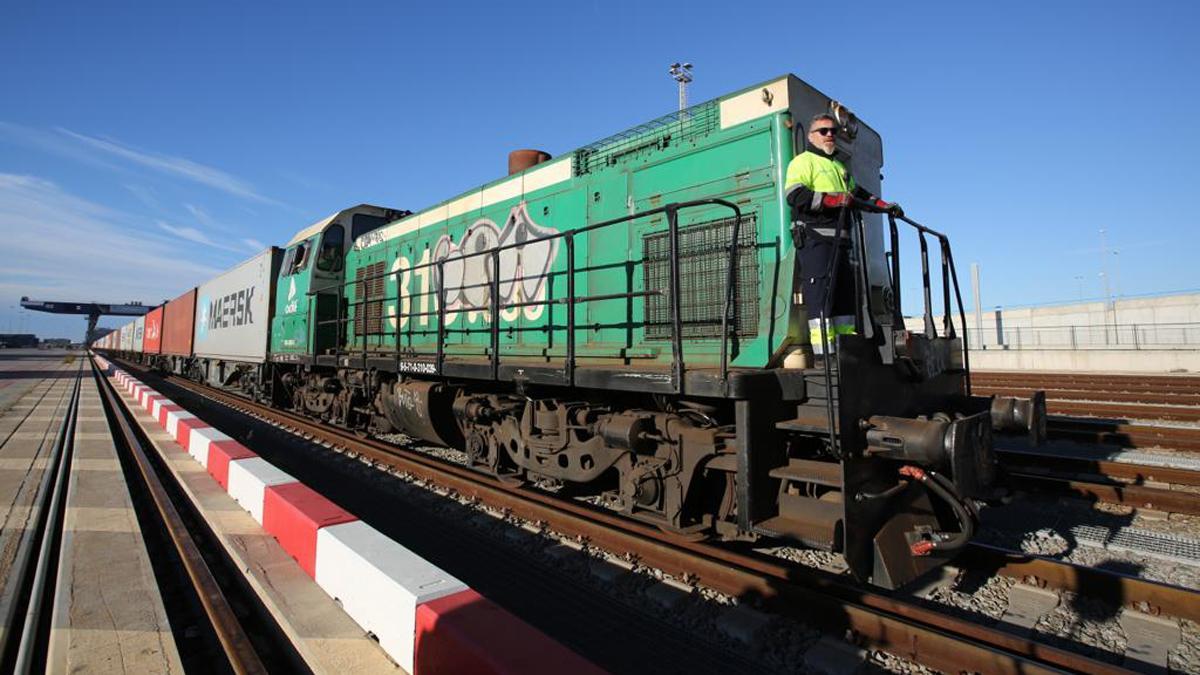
column 682, row 73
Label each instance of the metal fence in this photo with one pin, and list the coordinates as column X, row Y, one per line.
column 1133, row 336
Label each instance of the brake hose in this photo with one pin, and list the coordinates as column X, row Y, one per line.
column 942, row 541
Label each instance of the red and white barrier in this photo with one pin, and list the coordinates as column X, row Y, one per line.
column 248, row 482
column 202, row 439
column 423, row 617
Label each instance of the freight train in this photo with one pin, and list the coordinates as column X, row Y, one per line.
column 625, row 320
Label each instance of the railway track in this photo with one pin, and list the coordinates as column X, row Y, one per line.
column 1092, row 382
column 1096, row 478
column 1122, row 410
column 889, row 622
column 25, row 637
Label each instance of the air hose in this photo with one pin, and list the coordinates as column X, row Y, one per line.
column 944, row 489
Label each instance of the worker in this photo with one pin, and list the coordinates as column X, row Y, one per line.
column 819, row 189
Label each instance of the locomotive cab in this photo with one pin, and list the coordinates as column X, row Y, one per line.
column 310, row 280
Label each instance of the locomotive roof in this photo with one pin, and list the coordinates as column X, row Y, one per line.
column 316, row 227
column 741, row 106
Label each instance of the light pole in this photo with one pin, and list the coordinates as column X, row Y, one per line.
column 1079, row 283
column 682, row 73
column 1117, row 271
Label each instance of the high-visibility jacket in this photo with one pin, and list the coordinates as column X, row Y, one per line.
column 812, row 174
column 818, row 173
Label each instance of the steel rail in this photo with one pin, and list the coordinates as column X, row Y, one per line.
column 1090, row 380
column 19, row 569
column 1124, row 434
column 1071, row 465
column 1136, row 496
column 1116, row 587
column 233, row 639
column 1124, row 411
column 1097, row 395
column 900, row 627
column 48, row 524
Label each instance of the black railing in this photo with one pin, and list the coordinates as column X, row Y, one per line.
column 864, row 312
column 671, row 211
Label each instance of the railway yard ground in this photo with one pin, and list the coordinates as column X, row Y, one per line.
column 127, row 548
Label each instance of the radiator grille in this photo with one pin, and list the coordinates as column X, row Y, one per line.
column 368, row 318
column 644, row 139
column 703, row 272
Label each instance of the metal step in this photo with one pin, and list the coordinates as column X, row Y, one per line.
column 814, row 522
column 810, row 471
column 809, row 419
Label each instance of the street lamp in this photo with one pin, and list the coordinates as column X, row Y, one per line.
column 682, row 73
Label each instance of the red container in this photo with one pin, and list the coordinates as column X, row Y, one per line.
column 178, row 318
column 152, row 336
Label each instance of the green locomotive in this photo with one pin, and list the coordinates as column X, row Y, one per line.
column 623, row 320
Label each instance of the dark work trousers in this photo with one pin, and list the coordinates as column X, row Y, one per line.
column 814, row 270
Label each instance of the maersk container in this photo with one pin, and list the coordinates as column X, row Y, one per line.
column 139, row 331
column 152, row 336
column 233, row 311
column 179, row 318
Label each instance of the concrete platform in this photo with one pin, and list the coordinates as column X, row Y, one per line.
column 27, row 432
column 324, row 635
column 108, row 614
column 23, row 369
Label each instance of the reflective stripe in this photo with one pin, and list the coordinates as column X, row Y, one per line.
column 838, row 325
column 830, row 231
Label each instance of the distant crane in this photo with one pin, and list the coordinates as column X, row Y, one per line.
column 92, row 310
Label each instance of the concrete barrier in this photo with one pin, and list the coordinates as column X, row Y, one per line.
column 380, row 583
column 173, row 419
column 467, row 633
column 248, row 481
column 424, row 618
column 202, row 439
column 183, row 432
column 293, row 513
column 220, row 455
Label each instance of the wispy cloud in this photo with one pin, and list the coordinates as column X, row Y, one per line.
column 143, row 194
column 177, row 166
column 72, row 249
column 254, row 244
column 194, row 235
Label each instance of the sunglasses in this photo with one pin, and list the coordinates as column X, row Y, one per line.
column 825, row 131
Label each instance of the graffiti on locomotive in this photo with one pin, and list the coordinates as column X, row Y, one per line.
column 524, row 272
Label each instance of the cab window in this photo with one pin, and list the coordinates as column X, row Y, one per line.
column 296, row 259
column 330, row 257
column 363, row 223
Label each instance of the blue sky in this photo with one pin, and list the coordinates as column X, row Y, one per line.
column 188, row 137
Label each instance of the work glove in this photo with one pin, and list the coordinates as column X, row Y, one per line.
column 835, row 200
column 889, row 207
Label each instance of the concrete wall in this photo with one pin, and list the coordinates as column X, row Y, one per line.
column 1152, row 334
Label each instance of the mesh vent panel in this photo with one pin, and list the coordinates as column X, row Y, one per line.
column 703, row 272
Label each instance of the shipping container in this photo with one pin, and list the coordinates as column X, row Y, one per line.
column 139, row 331
column 233, row 311
column 178, row 319
column 127, row 337
column 152, row 336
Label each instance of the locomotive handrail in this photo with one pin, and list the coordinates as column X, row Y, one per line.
column 866, row 316
column 670, row 210
column 949, row 278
